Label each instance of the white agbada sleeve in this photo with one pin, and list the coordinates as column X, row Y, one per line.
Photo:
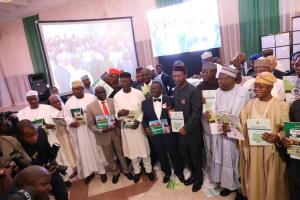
column 140, row 112
column 67, row 113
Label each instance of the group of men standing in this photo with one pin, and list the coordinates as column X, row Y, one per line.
column 257, row 173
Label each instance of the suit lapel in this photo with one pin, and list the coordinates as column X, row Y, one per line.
column 152, row 107
column 99, row 110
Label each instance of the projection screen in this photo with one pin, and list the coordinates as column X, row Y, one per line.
column 87, row 47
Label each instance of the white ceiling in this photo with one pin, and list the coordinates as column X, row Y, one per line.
column 17, row 9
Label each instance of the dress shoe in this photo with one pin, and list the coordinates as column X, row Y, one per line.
column 115, row 178
column 196, row 186
column 136, row 178
column 225, row 192
column 88, row 179
column 103, row 178
column 166, row 178
column 181, row 179
column 68, row 184
column 239, row 196
column 150, row 176
column 128, row 175
column 189, row 181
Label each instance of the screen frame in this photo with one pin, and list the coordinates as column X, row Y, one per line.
column 45, row 57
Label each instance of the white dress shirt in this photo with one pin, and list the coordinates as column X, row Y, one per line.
column 157, row 106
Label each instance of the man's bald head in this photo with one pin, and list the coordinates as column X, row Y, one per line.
column 35, row 177
column 100, row 92
column 27, row 132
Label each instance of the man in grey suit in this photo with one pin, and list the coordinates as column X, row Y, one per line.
column 108, row 134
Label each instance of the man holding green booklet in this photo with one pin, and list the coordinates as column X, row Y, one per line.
column 157, row 127
column 262, row 167
column 100, row 119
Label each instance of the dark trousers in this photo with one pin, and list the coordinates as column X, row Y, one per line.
column 192, row 158
column 164, row 144
column 59, row 189
column 293, row 167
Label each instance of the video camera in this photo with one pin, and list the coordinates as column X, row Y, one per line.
column 52, row 166
column 23, row 194
column 7, row 123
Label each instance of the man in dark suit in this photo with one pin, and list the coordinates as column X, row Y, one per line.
column 147, row 81
column 164, row 142
column 109, row 138
column 163, row 76
column 187, row 100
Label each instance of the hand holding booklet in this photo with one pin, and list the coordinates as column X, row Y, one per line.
column 104, row 121
column 292, row 131
column 210, row 104
column 256, row 128
column 159, row 127
column 177, row 120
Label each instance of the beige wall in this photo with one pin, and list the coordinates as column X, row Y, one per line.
column 14, row 53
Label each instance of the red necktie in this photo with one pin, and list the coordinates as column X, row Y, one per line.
column 105, row 109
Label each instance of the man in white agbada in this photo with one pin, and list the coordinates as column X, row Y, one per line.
column 89, row 156
column 128, row 109
column 65, row 155
column 208, row 57
column 35, row 112
column 265, row 65
column 230, row 98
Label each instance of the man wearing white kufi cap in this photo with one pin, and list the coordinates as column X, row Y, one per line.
column 35, row 112
column 208, row 57
column 89, row 156
column 265, row 65
column 230, row 98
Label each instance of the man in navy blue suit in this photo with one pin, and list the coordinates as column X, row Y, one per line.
column 157, row 127
column 163, row 76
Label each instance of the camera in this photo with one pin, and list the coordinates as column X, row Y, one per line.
column 7, row 123
column 16, row 163
column 23, row 194
column 52, row 166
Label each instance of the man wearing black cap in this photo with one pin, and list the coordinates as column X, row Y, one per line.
column 187, row 100
column 157, row 127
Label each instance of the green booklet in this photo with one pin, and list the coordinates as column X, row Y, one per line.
column 292, row 131
column 159, row 127
column 104, row 121
column 38, row 123
column 289, row 83
column 130, row 118
column 77, row 114
column 257, row 127
column 210, row 104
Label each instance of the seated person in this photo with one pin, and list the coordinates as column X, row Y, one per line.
column 35, row 143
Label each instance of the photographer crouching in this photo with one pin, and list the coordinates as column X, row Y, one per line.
column 36, row 145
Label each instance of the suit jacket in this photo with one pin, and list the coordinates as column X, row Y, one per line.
column 94, row 109
column 149, row 112
column 166, row 80
column 139, row 87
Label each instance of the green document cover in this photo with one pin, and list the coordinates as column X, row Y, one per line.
column 38, row 123
column 77, row 114
column 257, row 127
column 159, row 127
column 210, row 104
column 104, row 121
column 292, row 131
column 289, row 83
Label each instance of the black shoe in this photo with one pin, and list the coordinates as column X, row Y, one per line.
column 150, row 176
column 88, row 179
column 225, row 192
column 115, row 178
column 181, row 179
column 166, row 178
column 136, row 178
column 188, row 182
column 128, row 175
column 103, row 178
column 196, row 187
column 239, row 196
column 68, row 184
